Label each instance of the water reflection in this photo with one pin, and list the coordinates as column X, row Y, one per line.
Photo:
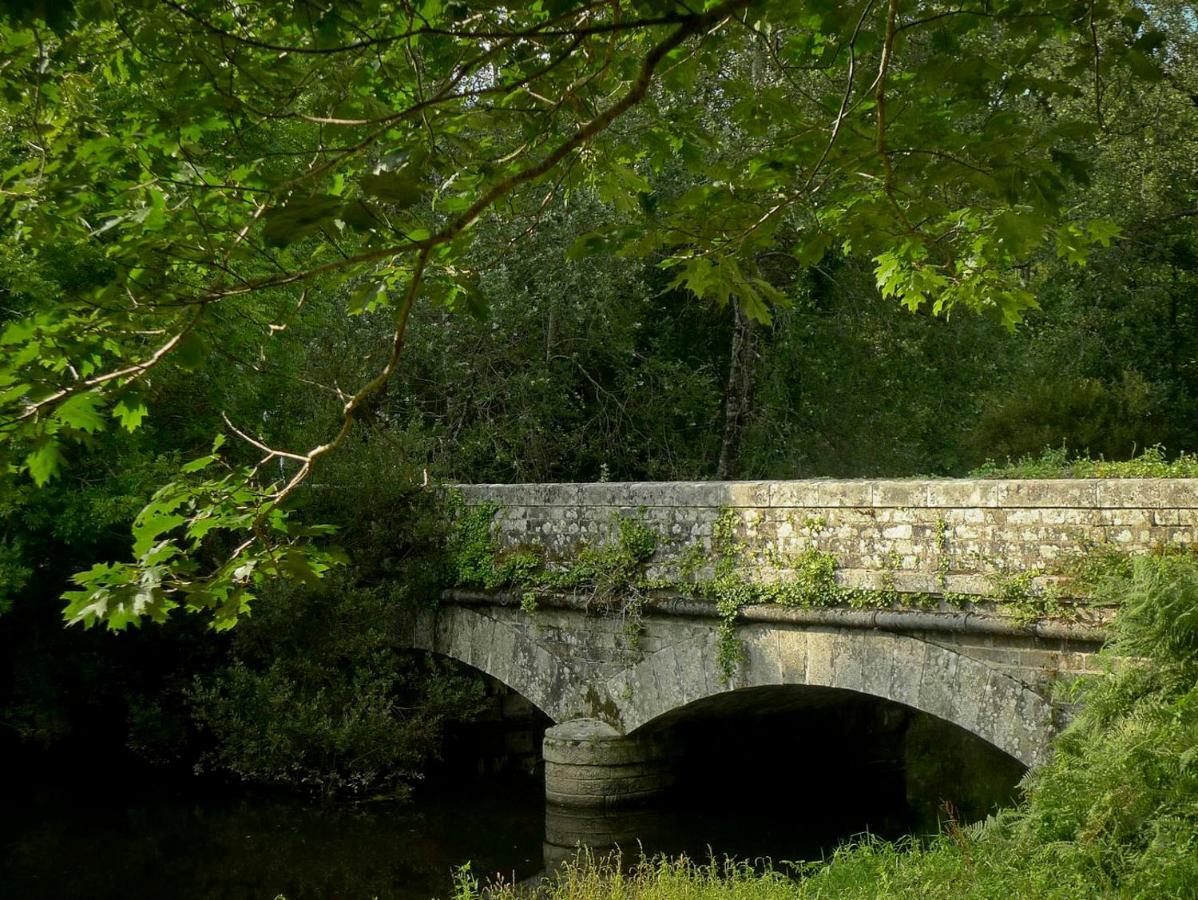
column 567, row 829
column 778, row 788
column 172, row 840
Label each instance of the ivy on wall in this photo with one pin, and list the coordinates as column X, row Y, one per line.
column 618, row 575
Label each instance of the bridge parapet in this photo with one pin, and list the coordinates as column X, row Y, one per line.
column 937, row 536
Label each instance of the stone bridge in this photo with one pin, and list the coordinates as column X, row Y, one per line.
column 967, row 655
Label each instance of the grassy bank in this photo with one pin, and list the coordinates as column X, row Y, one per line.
column 1114, row 814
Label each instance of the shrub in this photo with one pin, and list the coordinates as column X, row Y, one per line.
column 320, row 697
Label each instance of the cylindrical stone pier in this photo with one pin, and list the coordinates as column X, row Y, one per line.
column 588, row 763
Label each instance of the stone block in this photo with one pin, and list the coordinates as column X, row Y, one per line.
column 515, row 495
column 1179, row 493
column 909, row 515
column 694, row 673
column 939, row 688
column 819, row 661
column 1045, row 660
column 794, row 494
column 907, row 669
column 791, row 657
column 1136, row 493
column 877, row 663
column 968, row 583
column 1134, row 518
column 845, row 493
column 907, row 493
column 1061, row 492
column 589, row 763
column 1187, row 535
column 1166, row 517
column 594, row 497
column 746, row 494
column 962, row 493
column 659, row 494
column 1029, row 516
column 667, row 679
column 482, row 636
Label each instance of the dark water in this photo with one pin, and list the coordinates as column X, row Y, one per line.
column 780, row 788
column 134, row 838
column 181, row 841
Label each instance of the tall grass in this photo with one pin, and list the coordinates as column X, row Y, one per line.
column 1113, row 814
column 1058, row 462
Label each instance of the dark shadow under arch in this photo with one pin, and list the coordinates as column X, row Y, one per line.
column 904, row 669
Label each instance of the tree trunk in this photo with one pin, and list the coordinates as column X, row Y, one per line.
column 738, row 395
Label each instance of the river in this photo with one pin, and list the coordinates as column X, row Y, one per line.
column 140, row 836
column 779, row 787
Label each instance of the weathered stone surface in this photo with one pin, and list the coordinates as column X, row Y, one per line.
column 610, row 701
column 915, row 536
column 589, row 763
column 911, row 536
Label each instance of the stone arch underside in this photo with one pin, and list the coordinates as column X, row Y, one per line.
column 939, row 681
column 506, row 652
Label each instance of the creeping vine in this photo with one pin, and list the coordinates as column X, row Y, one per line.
column 615, row 575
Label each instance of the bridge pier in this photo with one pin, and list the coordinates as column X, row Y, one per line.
column 589, row 763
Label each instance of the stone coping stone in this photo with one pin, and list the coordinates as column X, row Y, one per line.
column 945, row 493
column 584, row 730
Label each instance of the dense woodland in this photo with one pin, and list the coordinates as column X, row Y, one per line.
column 1007, row 264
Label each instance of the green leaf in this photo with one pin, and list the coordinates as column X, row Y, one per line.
column 296, row 566
column 811, row 250
column 80, row 412
column 401, row 188
column 1144, row 66
column 298, row 219
column 752, row 304
column 130, row 411
column 359, row 215
column 1018, row 232
column 147, row 530
column 585, row 245
column 197, row 465
column 1103, row 231
column 465, row 296
column 44, row 462
column 698, row 276
column 367, row 298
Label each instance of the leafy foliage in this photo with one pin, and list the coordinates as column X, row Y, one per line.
column 213, row 216
column 320, row 697
column 229, row 161
column 1057, row 463
column 611, row 571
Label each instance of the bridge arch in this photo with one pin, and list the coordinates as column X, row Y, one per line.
column 569, row 671
column 504, row 650
column 908, row 670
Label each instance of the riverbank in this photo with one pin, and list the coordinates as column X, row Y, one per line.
column 1113, row 814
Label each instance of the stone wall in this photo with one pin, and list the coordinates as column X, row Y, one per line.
column 936, row 536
